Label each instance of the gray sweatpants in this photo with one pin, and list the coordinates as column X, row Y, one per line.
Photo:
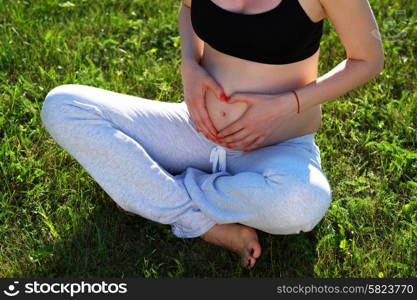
column 149, row 158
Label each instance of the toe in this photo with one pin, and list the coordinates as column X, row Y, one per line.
column 248, row 261
column 254, row 249
column 251, row 263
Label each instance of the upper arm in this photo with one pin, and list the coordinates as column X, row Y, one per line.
column 187, row 2
column 357, row 29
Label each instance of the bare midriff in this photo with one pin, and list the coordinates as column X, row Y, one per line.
column 240, row 75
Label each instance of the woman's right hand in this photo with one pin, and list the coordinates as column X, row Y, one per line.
column 196, row 81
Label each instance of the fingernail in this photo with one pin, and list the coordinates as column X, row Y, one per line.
column 245, row 150
column 223, row 97
column 227, row 146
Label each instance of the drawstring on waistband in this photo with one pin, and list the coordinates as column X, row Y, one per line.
column 218, row 158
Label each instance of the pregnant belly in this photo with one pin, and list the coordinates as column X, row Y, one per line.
column 221, row 113
column 237, row 75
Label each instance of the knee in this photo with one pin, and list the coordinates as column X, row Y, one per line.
column 51, row 112
column 299, row 207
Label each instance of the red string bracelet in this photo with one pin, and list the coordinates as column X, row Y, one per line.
column 298, row 101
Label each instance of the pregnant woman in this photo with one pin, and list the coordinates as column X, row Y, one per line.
column 238, row 154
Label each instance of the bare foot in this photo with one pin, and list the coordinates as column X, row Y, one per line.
column 236, row 237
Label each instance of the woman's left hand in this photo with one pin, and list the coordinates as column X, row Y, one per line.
column 265, row 113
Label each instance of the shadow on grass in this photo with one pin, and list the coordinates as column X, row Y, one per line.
column 110, row 243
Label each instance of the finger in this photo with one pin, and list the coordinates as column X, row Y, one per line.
column 204, row 118
column 232, row 128
column 214, row 86
column 195, row 113
column 199, row 123
column 208, row 123
column 239, row 97
column 244, row 143
column 199, row 128
column 254, row 145
column 205, row 126
column 236, row 137
column 204, row 130
column 194, row 119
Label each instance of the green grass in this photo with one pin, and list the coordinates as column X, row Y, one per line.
column 56, row 221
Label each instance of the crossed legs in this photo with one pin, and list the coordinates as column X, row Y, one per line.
column 133, row 146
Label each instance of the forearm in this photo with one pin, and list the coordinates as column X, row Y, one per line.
column 346, row 76
column 191, row 45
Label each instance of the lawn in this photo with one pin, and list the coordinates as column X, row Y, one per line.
column 56, row 221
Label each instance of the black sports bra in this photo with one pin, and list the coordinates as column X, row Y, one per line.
column 282, row 35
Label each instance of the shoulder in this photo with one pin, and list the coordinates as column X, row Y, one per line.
column 342, row 6
column 357, row 28
column 187, row 2
column 314, row 9
column 348, row 14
